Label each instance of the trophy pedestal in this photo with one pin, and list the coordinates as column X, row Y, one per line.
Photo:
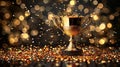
column 71, row 50
column 77, row 52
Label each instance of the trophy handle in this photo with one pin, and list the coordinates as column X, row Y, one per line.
column 58, row 22
column 86, row 21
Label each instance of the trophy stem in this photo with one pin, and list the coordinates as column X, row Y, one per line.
column 71, row 50
column 71, row 46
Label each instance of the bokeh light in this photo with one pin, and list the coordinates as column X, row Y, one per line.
column 72, row 2
column 95, row 17
column 7, row 15
column 27, row 13
column 109, row 25
column 92, row 41
column 102, row 26
column 6, row 29
column 25, row 36
column 100, row 6
column 3, row 3
column 21, row 17
column 34, row 32
column 102, row 41
column 16, row 22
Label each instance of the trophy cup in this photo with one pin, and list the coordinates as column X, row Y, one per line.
column 71, row 26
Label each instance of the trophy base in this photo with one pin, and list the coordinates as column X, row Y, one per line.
column 77, row 52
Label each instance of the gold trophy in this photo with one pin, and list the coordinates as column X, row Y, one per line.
column 71, row 26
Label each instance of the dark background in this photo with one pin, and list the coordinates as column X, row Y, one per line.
column 114, row 5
